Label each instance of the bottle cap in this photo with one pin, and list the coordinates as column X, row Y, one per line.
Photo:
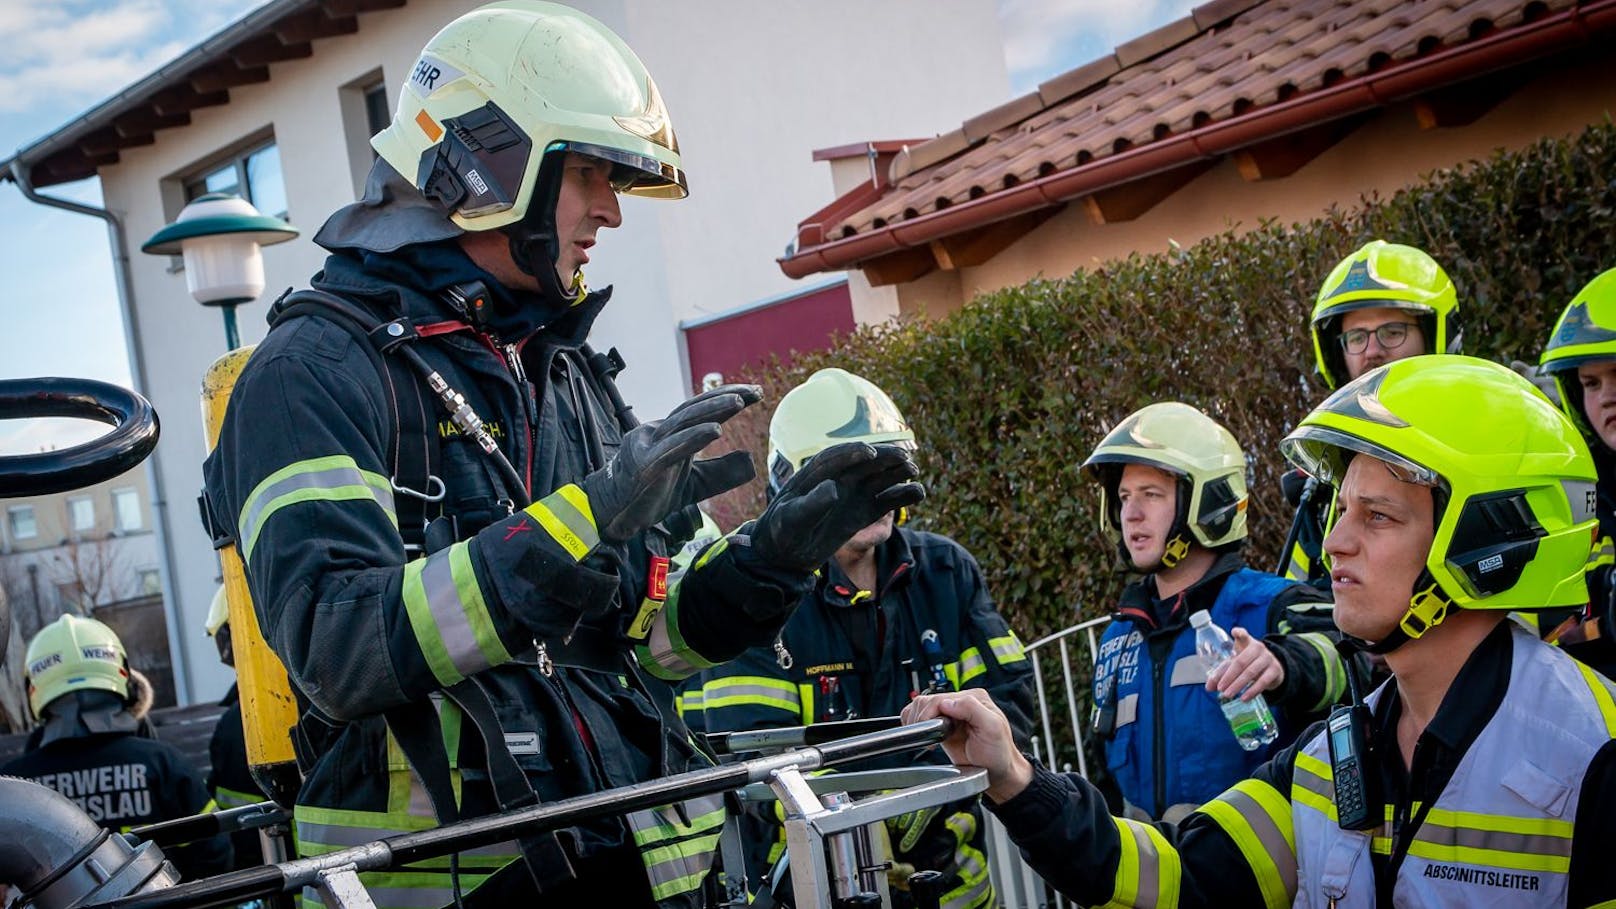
column 1200, row 618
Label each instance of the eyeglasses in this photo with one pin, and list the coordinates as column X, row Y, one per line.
column 1391, row 336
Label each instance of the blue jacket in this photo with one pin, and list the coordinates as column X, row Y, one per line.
column 1170, row 743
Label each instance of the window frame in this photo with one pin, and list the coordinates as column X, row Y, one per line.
column 72, row 513
column 117, row 512
column 11, row 522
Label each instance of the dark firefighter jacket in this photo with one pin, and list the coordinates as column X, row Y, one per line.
column 1166, row 742
column 1491, row 839
column 857, row 654
column 301, row 478
column 123, row 779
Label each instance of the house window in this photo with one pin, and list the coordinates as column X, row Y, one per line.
column 254, row 175
column 126, row 506
column 377, row 113
column 22, row 522
column 150, row 582
column 81, row 514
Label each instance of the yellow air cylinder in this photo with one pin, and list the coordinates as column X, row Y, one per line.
column 268, row 709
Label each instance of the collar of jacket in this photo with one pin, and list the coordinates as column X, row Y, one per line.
column 1139, row 602
column 412, row 281
column 836, row 589
column 79, row 714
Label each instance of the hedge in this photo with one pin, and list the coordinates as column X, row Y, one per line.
column 1011, row 393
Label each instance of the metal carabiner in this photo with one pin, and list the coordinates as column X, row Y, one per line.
column 427, row 496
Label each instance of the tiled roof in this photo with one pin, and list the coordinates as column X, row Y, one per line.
column 1229, row 62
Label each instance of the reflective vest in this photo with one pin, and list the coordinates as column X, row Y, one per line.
column 1500, row 832
column 1199, row 756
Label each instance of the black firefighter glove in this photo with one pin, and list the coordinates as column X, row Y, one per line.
column 654, row 472
column 840, row 491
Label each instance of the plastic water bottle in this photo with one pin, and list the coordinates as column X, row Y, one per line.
column 1252, row 721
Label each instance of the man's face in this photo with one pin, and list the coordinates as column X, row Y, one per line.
column 1378, row 547
column 1148, row 499
column 1363, row 329
column 586, row 203
column 1598, row 381
column 870, row 537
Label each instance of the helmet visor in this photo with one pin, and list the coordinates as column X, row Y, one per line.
column 1339, row 309
column 1325, row 453
column 634, row 174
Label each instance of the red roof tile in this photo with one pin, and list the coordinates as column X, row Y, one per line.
column 1227, row 63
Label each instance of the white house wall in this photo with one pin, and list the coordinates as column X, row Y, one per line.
column 752, row 89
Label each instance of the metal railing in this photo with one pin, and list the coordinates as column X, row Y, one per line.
column 1017, row 886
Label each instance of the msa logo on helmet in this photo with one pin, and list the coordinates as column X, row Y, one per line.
column 429, row 75
column 99, row 652
column 38, row 666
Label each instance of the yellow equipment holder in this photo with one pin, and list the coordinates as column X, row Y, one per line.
column 268, row 709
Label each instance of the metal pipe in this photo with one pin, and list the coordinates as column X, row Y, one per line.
column 484, row 831
column 56, row 857
column 137, row 367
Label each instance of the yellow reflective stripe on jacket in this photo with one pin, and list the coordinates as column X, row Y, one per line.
column 678, row 856
column 1335, row 672
column 1007, row 649
column 566, row 516
column 1600, row 689
column 751, row 691
column 1300, row 566
column 334, row 478
column 665, row 653
column 1258, row 819
column 1494, row 841
column 970, row 666
column 1603, row 553
column 976, row 887
column 449, row 616
column 691, row 701
column 1313, row 785
column 230, row 798
column 1149, row 872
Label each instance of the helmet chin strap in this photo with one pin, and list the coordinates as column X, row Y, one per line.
column 1427, row 607
column 534, row 244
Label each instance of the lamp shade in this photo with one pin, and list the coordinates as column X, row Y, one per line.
column 220, row 235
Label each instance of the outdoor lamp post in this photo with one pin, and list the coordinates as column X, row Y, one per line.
column 220, row 235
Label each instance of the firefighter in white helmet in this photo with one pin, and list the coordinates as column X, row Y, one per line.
column 93, row 745
column 453, row 528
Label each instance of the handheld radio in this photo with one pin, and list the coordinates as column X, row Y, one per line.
column 1358, row 805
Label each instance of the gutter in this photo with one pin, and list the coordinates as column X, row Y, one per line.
column 103, row 114
column 1367, row 92
column 154, row 477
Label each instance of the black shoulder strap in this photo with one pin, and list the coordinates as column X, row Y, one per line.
column 413, row 448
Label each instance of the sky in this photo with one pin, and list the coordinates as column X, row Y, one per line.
column 60, row 307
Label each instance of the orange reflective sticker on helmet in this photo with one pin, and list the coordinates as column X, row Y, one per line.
column 433, row 131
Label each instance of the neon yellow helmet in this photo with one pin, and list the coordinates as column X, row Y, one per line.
column 1391, row 275
column 1514, row 492
column 1586, row 333
column 1185, row 442
column 499, row 96
column 74, row 654
column 832, row 407
column 218, row 612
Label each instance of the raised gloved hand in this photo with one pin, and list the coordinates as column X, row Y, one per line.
column 840, row 491
column 653, row 474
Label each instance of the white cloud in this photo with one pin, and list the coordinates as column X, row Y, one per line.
column 70, row 54
column 1043, row 38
